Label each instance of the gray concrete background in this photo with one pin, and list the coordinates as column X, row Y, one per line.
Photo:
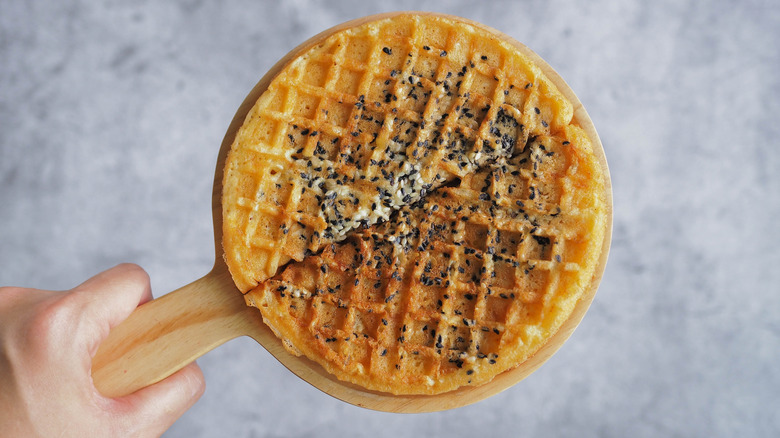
column 111, row 114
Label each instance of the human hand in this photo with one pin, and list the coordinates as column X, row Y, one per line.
column 47, row 341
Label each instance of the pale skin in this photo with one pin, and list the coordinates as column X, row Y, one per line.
column 47, row 341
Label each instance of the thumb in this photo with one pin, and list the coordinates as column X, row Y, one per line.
column 152, row 410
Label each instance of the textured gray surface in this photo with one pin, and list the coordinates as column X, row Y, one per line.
column 111, row 114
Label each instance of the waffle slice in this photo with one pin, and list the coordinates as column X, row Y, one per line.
column 456, row 288
column 368, row 120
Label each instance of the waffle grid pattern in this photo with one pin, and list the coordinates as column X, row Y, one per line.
column 444, row 213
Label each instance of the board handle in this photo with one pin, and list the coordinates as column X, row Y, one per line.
column 162, row 336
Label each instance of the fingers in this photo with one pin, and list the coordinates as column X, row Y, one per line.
column 113, row 294
column 107, row 299
column 152, row 410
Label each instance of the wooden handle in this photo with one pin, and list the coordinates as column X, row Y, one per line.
column 164, row 335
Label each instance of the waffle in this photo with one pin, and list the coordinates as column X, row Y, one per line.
column 459, row 220
column 367, row 121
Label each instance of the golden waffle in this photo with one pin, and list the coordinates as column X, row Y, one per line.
column 444, row 211
column 369, row 120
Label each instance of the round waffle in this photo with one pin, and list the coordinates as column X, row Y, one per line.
column 442, row 210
